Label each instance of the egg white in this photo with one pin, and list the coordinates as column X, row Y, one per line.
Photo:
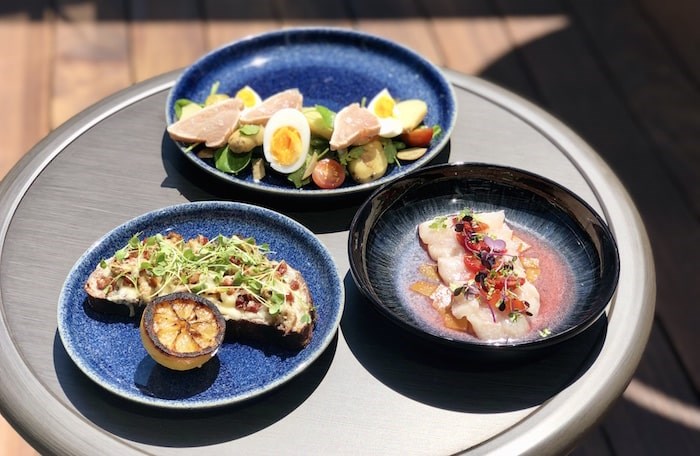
column 389, row 126
column 287, row 117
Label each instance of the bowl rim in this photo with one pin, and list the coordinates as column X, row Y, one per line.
column 527, row 345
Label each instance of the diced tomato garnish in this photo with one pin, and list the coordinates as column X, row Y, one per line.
column 494, row 300
column 419, row 137
column 472, row 263
column 477, row 246
column 513, row 282
column 516, row 305
column 479, row 226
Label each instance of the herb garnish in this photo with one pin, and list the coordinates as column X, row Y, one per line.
column 202, row 266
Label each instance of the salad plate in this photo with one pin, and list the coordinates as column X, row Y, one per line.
column 330, row 67
column 386, row 252
column 108, row 348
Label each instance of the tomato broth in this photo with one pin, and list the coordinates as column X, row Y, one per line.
column 555, row 285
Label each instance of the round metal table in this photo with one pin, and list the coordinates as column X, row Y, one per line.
column 374, row 390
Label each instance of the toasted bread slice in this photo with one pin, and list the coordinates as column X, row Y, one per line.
column 262, row 300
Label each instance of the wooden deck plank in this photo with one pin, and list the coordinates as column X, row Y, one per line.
column 306, row 13
column 667, row 108
column 473, row 39
column 25, row 65
column 577, row 87
column 657, row 423
column 11, row 444
column 400, row 21
column 661, row 98
column 164, row 36
column 227, row 21
column 677, row 23
column 92, row 55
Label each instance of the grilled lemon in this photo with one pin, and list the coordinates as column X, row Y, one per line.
column 182, row 331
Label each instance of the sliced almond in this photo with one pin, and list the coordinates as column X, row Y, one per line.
column 258, row 169
column 412, row 153
column 310, row 167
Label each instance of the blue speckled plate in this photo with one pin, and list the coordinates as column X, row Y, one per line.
column 331, row 67
column 108, row 348
column 385, row 250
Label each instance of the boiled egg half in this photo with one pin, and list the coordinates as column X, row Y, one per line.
column 286, row 140
column 383, row 105
column 249, row 97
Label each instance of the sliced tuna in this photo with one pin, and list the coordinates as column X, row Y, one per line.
column 211, row 126
column 260, row 114
column 353, row 126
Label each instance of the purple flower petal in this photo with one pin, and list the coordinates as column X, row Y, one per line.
column 496, row 245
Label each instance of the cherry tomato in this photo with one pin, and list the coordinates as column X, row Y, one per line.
column 420, row 137
column 328, row 173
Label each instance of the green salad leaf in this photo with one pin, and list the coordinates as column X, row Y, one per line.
column 229, row 162
column 179, row 104
column 327, row 115
column 297, row 178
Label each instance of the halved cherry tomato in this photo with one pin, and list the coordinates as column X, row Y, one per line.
column 328, row 173
column 419, row 137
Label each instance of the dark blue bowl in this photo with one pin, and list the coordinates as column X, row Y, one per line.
column 331, row 67
column 384, row 247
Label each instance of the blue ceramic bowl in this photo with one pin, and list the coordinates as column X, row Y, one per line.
column 331, row 67
column 108, row 348
column 385, row 250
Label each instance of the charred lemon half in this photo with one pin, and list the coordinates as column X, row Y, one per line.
column 182, row 331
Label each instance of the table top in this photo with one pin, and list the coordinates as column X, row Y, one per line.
column 371, row 391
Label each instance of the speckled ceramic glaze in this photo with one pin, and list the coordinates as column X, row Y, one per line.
column 331, row 67
column 108, row 348
column 384, row 232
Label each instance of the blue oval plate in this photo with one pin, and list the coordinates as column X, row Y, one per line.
column 108, row 348
column 331, row 67
column 385, row 250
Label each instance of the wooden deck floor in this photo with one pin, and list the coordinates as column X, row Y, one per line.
column 624, row 74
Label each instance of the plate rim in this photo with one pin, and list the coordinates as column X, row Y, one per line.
column 318, row 193
column 93, row 374
column 490, row 348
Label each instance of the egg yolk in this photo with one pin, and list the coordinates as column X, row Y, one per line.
column 384, row 107
column 247, row 96
column 285, row 145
